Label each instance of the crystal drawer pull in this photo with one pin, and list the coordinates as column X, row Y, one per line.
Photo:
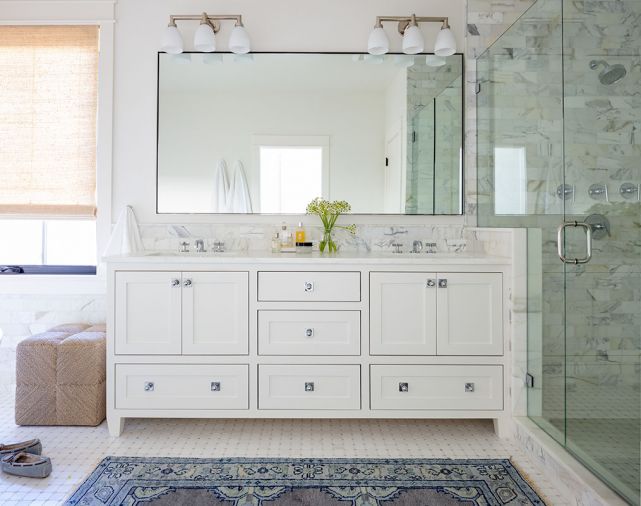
column 187, row 283
column 309, row 332
column 309, row 286
column 469, row 387
column 403, row 387
column 149, row 386
column 215, row 386
column 442, row 283
column 309, row 386
column 431, row 283
column 175, row 282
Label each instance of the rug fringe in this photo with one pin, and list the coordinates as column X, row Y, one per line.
column 530, row 481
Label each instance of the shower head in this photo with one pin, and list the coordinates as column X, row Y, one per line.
column 610, row 73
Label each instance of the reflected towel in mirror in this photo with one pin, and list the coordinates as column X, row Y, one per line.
column 221, row 189
column 238, row 200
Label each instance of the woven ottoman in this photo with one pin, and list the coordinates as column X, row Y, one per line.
column 60, row 376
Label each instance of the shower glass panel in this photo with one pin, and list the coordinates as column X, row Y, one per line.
column 559, row 114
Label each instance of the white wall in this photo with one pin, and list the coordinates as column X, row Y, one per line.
column 286, row 25
column 353, row 122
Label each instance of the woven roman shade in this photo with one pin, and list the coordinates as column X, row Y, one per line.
column 48, row 102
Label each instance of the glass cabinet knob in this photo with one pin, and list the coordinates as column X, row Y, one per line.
column 309, row 386
column 215, row 386
column 149, row 386
column 309, row 286
column 309, row 332
column 403, row 387
column 469, row 387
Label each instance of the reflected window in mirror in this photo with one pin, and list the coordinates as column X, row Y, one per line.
column 290, row 178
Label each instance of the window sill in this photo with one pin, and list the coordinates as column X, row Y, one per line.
column 53, row 284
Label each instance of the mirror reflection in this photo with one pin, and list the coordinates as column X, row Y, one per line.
column 266, row 133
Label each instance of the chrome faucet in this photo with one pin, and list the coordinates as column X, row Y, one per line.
column 200, row 246
column 417, row 246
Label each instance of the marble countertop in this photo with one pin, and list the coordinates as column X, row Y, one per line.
column 265, row 257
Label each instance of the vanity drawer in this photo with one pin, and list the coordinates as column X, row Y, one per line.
column 167, row 387
column 309, row 387
column 309, row 332
column 437, row 387
column 309, row 286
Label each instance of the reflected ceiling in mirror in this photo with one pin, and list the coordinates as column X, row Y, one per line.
column 266, row 133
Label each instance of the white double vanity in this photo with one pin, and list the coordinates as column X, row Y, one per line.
column 291, row 336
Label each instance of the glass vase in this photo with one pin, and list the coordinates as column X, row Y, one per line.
column 327, row 244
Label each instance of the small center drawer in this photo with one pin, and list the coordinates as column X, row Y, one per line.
column 434, row 387
column 166, row 386
column 309, row 286
column 309, row 332
column 309, row 387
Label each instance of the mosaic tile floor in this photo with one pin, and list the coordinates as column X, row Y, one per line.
column 75, row 451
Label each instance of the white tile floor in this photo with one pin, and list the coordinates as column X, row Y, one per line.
column 75, row 451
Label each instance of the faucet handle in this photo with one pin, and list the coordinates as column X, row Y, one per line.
column 200, row 246
column 397, row 247
column 184, row 247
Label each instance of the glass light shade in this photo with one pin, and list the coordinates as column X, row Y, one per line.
column 205, row 39
column 432, row 60
column 378, row 43
column 239, row 40
column 172, row 41
column 413, row 42
column 445, row 43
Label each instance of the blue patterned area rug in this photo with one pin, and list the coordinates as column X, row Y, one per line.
column 295, row 482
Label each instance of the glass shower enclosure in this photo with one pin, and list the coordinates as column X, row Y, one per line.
column 559, row 153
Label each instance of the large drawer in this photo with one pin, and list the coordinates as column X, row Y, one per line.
column 295, row 387
column 434, row 387
column 172, row 387
column 309, row 286
column 309, row 332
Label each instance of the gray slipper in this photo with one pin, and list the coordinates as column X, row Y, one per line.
column 32, row 446
column 27, row 464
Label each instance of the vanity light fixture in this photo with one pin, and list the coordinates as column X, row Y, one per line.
column 413, row 42
column 205, row 36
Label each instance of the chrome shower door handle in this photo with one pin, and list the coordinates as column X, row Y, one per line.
column 560, row 242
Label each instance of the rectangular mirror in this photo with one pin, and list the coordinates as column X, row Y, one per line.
column 268, row 132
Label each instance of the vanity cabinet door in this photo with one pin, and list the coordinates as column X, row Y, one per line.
column 147, row 313
column 402, row 313
column 215, row 313
column 470, row 313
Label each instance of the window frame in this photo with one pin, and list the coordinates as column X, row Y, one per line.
column 102, row 14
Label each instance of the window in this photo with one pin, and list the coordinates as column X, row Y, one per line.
column 290, row 178
column 510, row 181
column 48, row 114
column 292, row 170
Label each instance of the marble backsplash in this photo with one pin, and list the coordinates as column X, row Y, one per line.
column 453, row 239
